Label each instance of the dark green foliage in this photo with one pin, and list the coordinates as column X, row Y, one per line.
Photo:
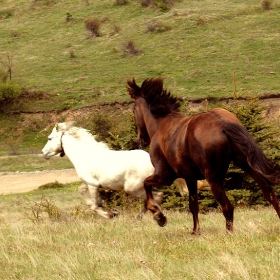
column 118, row 137
column 126, row 139
column 8, row 92
column 250, row 112
column 98, row 124
column 54, row 185
column 119, row 199
column 69, row 17
column 173, row 199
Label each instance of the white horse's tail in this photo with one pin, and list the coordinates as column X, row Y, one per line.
column 183, row 188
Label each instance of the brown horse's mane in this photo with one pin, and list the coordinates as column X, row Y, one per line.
column 160, row 101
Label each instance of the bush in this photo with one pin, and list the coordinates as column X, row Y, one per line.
column 129, row 48
column 93, row 25
column 121, row 2
column 128, row 141
column 266, row 4
column 251, row 114
column 8, row 92
column 36, row 211
column 146, row 3
column 157, row 26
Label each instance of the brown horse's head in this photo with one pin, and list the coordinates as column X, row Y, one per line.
column 142, row 134
column 150, row 100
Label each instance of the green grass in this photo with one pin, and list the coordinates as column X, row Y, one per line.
column 123, row 248
column 30, row 163
column 204, row 43
column 197, row 60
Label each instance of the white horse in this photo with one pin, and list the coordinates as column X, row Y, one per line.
column 98, row 166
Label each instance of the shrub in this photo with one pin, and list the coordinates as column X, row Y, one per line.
column 55, row 185
column 8, row 92
column 69, row 17
column 250, row 113
column 35, row 211
column 200, row 22
column 129, row 139
column 93, row 25
column 157, row 26
column 129, row 48
column 266, row 4
column 121, row 2
column 72, row 54
column 146, row 3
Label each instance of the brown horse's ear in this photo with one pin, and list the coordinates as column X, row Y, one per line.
column 132, row 88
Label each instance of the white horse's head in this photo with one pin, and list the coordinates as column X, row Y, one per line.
column 54, row 144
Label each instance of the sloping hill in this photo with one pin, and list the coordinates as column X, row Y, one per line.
column 195, row 45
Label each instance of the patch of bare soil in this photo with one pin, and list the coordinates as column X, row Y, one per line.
column 19, row 182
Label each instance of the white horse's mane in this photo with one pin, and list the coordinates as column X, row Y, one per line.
column 84, row 134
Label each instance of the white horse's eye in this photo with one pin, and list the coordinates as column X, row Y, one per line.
column 50, row 138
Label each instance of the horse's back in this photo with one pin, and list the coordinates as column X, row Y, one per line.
column 120, row 169
column 201, row 146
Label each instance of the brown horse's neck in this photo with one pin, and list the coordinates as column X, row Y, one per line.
column 151, row 122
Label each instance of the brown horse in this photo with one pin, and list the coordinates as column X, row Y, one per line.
column 195, row 147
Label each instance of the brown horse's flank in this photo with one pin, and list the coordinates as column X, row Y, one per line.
column 195, row 147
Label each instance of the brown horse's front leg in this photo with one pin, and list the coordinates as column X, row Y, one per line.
column 151, row 203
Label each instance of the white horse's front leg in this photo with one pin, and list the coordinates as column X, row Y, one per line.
column 95, row 203
column 85, row 193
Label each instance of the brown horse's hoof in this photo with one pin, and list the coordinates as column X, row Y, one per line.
column 161, row 219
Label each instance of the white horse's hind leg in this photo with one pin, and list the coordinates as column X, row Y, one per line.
column 95, row 204
column 158, row 197
column 84, row 191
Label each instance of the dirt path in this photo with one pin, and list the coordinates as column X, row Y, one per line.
column 20, row 182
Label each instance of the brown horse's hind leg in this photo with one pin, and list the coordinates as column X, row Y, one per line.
column 227, row 207
column 193, row 205
column 267, row 190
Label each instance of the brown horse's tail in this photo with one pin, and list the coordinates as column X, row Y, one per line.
column 256, row 159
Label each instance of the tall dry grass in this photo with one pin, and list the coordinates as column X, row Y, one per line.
column 123, row 248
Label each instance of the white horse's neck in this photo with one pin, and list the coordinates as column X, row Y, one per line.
column 79, row 144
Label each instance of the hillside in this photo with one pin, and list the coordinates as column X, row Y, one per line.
column 194, row 45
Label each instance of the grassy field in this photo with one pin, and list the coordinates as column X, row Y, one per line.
column 82, row 246
column 196, row 46
column 30, row 163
